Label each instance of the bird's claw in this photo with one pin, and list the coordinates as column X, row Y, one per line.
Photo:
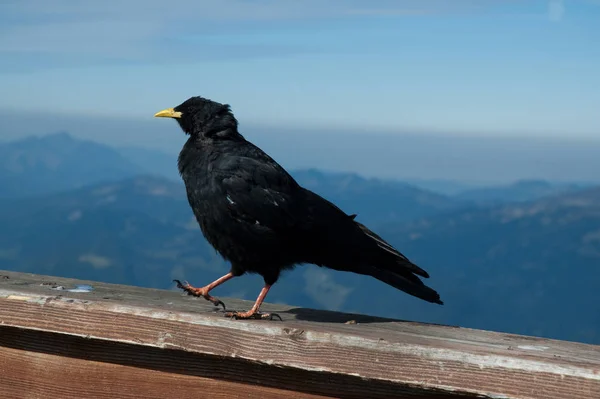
column 198, row 292
column 186, row 287
column 218, row 302
column 249, row 315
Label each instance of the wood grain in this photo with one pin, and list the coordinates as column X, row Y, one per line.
column 58, row 350
column 310, row 352
column 27, row 374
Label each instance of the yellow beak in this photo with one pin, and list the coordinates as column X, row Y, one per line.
column 168, row 113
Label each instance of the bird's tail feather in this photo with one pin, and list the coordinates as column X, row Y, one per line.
column 408, row 283
column 392, row 267
column 386, row 248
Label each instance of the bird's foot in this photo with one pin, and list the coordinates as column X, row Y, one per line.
column 199, row 292
column 252, row 315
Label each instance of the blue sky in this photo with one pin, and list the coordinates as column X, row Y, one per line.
column 475, row 67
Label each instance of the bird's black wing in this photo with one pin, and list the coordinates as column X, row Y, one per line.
column 260, row 192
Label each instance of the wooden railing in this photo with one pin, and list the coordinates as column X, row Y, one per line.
column 127, row 342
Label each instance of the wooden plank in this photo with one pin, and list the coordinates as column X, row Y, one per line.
column 373, row 358
column 33, row 374
column 61, row 352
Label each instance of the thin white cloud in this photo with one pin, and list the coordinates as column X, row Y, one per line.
column 66, row 25
column 71, row 33
column 200, row 10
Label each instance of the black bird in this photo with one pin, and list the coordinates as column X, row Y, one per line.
column 262, row 221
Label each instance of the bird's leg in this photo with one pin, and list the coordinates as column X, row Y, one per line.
column 254, row 312
column 203, row 292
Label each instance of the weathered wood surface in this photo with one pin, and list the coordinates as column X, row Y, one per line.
column 124, row 342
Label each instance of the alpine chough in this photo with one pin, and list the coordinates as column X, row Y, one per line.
column 262, row 221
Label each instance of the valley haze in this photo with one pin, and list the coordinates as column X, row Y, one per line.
column 420, row 157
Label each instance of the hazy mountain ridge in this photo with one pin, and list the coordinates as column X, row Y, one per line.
column 446, row 194
column 375, row 200
column 45, row 164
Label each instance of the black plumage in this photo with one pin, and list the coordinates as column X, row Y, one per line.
column 262, row 221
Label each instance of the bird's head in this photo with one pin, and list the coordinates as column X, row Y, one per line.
column 198, row 116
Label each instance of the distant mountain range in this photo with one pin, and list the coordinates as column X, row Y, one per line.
column 56, row 162
column 524, row 263
column 532, row 266
column 136, row 231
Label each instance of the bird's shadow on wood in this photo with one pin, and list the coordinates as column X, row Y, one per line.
column 327, row 316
